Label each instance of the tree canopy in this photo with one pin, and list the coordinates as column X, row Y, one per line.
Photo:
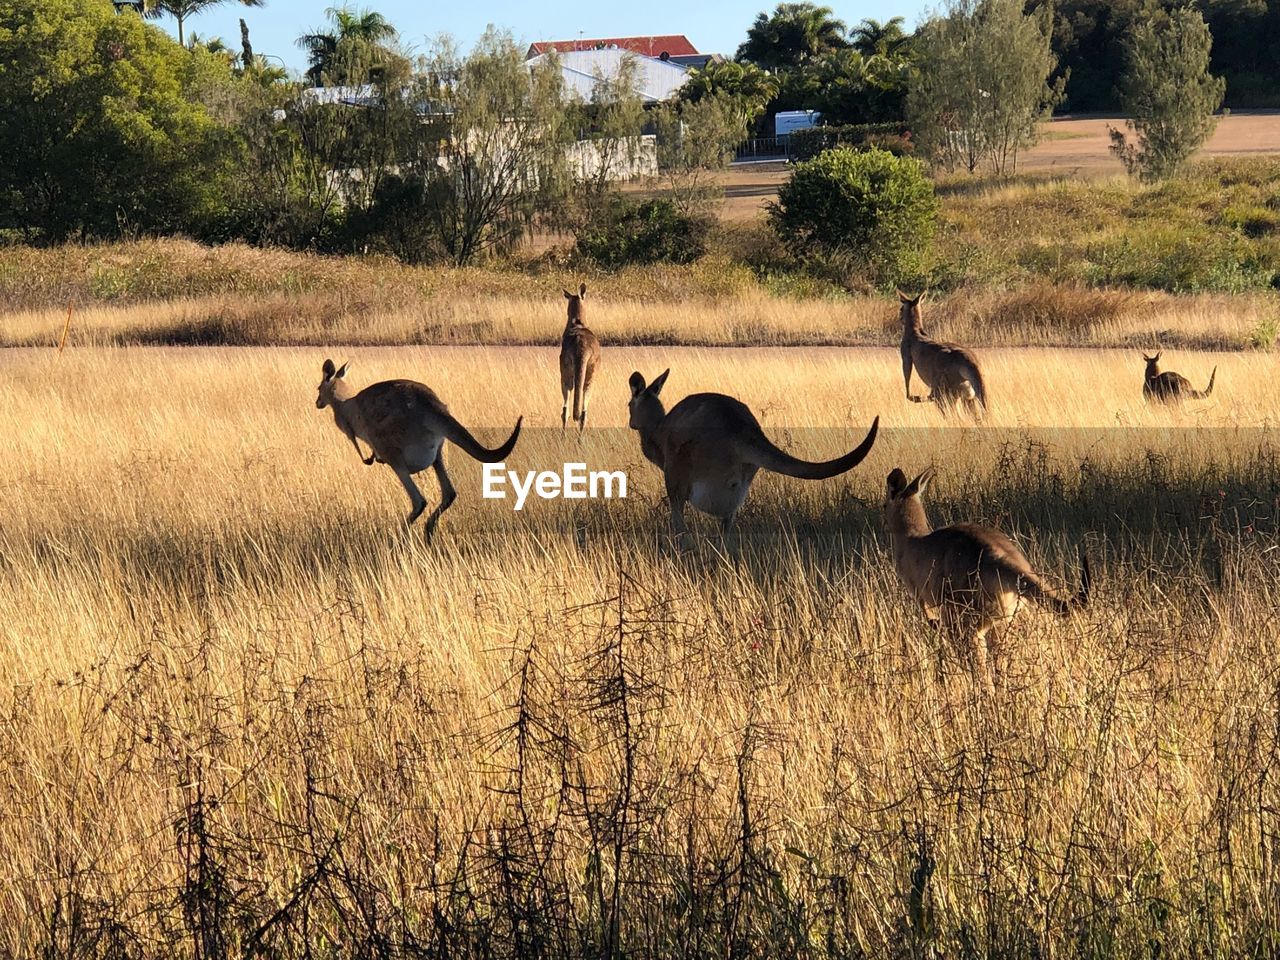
column 794, row 34
column 356, row 41
column 102, row 126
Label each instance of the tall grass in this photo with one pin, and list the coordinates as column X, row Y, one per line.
column 243, row 713
column 1034, row 316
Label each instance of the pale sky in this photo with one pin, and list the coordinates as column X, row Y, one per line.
column 713, row 26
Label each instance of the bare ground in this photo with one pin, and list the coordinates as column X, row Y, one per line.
column 1073, row 146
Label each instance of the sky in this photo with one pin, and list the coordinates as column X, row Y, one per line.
column 713, row 26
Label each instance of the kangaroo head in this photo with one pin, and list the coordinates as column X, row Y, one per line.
column 910, row 309
column 1153, row 364
column 329, row 380
column 576, row 309
column 903, row 511
column 647, row 410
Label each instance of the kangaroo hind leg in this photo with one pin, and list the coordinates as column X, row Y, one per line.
column 418, row 501
column 447, row 494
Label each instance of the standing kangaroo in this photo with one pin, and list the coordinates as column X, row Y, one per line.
column 1170, row 387
column 405, row 424
column 579, row 359
column 709, row 449
column 949, row 370
column 969, row 579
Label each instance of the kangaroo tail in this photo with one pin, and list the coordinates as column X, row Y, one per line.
column 1209, row 389
column 979, row 385
column 1060, row 603
column 764, row 454
column 460, row 435
column 579, row 377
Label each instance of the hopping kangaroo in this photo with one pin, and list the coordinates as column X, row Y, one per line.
column 949, row 370
column 709, row 449
column 969, row 579
column 405, row 424
column 579, row 359
column 1170, row 387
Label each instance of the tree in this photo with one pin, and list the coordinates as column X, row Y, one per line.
column 1090, row 38
column 357, row 38
column 102, row 126
column 499, row 160
column 184, row 10
column 871, row 37
column 1168, row 93
column 748, row 86
column 696, row 138
column 849, row 87
column 609, row 128
column 791, row 36
column 981, row 85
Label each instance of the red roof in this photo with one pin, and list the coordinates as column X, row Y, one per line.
column 675, row 45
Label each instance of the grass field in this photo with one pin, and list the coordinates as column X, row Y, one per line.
column 1190, row 263
column 243, row 712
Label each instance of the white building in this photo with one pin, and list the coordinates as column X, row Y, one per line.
column 657, row 81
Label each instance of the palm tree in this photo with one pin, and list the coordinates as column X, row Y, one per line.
column 794, row 34
column 353, row 31
column 871, row 37
column 749, row 85
column 212, row 45
column 183, row 10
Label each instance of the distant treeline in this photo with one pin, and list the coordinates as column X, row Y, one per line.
column 1088, row 38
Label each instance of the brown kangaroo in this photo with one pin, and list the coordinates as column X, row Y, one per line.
column 579, row 360
column 709, row 449
column 969, row 579
column 949, row 370
column 405, row 424
column 1170, row 387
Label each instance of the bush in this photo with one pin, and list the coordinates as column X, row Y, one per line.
column 653, row 231
column 871, row 208
column 894, row 137
column 398, row 221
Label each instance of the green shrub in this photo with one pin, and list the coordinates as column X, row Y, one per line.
column 894, row 137
column 1179, row 261
column 652, row 231
column 1252, row 221
column 868, row 210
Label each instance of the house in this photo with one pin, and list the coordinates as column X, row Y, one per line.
column 657, row 81
column 658, row 47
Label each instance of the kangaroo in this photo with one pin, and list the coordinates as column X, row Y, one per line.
column 969, row 579
column 709, row 449
column 949, row 370
column 579, row 360
column 1170, row 387
column 405, row 425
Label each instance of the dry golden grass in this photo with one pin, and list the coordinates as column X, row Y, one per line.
column 242, row 710
column 1037, row 316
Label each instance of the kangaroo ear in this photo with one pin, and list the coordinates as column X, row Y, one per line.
column 342, row 371
column 920, row 299
column 582, row 290
column 919, row 484
column 327, row 370
column 903, row 297
column 656, row 387
column 896, row 483
column 637, row 384
column 568, row 295
column 1159, row 354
